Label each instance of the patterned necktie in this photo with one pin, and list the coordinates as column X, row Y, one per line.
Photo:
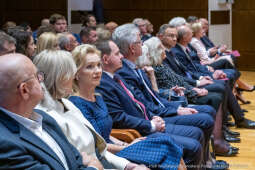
column 140, row 104
column 147, row 87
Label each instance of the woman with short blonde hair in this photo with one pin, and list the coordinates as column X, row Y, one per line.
column 47, row 41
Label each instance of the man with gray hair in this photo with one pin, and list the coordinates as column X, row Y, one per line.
column 127, row 37
column 67, row 41
column 177, row 21
column 141, row 24
column 7, row 44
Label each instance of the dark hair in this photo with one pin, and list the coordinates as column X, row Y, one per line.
column 104, row 47
column 86, row 31
column 163, row 28
column 5, row 38
column 22, row 40
column 45, row 28
column 86, row 19
column 54, row 17
column 25, row 25
column 192, row 19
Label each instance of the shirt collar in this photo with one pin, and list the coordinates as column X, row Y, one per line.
column 130, row 64
column 183, row 47
column 109, row 74
column 35, row 120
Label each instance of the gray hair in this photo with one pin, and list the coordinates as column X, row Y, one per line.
column 154, row 50
column 181, row 31
column 3, row 39
column 177, row 21
column 63, row 40
column 136, row 21
column 57, row 65
column 163, row 28
column 124, row 36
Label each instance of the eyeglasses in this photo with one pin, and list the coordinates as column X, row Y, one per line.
column 39, row 76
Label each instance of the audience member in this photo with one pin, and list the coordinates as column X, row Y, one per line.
column 89, row 21
column 7, row 25
column 47, row 40
column 30, row 139
column 88, row 35
column 59, row 23
column 103, row 34
column 177, row 21
column 88, row 76
column 7, row 44
column 141, row 24
column 111, row 26
column 67, row 41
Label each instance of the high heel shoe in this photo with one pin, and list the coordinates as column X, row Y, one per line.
column 240, row 89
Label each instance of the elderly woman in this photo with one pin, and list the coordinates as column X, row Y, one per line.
column 47, row 41
column 167, row 78
column 198, row 33
column 88, row 76
column 59, row 69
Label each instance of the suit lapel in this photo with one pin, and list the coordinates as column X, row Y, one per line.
column 31, row 138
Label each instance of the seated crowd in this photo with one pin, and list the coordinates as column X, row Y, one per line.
column 61, row 97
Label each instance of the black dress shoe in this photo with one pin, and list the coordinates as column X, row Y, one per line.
column 232, row 133
column 231, row 139
column 219, row 165
column 246, row 123
column 230, row 124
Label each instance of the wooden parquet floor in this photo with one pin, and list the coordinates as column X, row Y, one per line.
column 245, row 160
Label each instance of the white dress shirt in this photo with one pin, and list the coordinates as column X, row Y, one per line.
column 34, row 124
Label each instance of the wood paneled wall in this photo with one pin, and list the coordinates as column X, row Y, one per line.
column 157, row 11
column 31, row 11
column 244, row 33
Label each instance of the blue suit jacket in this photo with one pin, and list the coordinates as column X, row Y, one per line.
column 22, row 149
column 142, row 94
column 192, row 65
column 121, row 107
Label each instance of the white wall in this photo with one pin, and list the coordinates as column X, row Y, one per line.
column 220, row 34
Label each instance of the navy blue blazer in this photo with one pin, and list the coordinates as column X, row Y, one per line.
column 207, row 42
column 22, row 149
column 192, row 65
column 121, row 107
column 172, row 62
column 143, row 95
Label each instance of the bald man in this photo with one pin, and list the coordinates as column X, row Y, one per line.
column 30, row 140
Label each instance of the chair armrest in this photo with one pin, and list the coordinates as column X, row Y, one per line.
column 127, row 135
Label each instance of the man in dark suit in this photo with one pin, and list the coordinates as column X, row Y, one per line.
column 128, row 112
column 31, row 140
column 181, row 55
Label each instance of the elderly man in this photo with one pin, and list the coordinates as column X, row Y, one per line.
column 7, row 44
column 31, row 139
column 67, row 41
column 142, row 25
column 127, row 37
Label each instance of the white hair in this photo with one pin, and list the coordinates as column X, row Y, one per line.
column 143, row 60
column 154, row 51
column 57, row 65
column 177, row 21
column 125, row 35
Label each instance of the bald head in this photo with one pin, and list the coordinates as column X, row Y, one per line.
column 13, row 69
column 184, row 34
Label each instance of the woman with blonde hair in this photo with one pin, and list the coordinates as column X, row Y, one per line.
column 149, row 151
column 59, row 70
column 47, row 41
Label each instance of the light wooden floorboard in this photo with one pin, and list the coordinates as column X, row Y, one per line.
column 245, row 160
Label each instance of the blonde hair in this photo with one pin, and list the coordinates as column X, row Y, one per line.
column 57, row 65
column 195, row 27
column 79, row 55
column 47, row 41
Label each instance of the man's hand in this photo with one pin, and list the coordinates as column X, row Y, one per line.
column 201, row 92
column 137, row 140
column 223, row 48
column 219, row 74
column 204, row 82
column 178, row 90
column 133, row 166
column 211, row 69
column 159, row 123
column 91, row 161
column 186, row 111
